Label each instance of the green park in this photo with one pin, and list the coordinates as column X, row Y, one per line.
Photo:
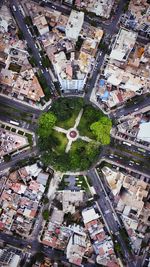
column 71, row 134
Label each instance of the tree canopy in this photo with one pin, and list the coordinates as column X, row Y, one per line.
column 45, row 124
column 63, row 108
column 101, row 129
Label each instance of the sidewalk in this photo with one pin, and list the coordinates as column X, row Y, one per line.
column 40, row 107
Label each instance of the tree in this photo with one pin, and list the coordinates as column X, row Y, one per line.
column 92, row 150
column 39, row 256
column 101, row 129
column 45, row 215
column 75, row 161
column 7, row 158
column 46, row 123
column 20, row 35
column 45, row 200
column 46, row 62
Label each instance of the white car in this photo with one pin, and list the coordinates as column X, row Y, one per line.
column 14, row 8
column 29, row 32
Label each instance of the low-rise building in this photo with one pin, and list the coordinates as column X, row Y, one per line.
column 70, row 45
column 137, row 17
column 70, row 200
column 100, row 8
column 41, row 24
column 130, row 196
column 20, row 201
column 10, row 257
column 77, row 246
column 123, row 45
column 102, row 243
column 56, row 236
column 11, row 141
column 27, row 86
column 74, row 25
column 125, row 73
column 134, row 129
column 17, row 78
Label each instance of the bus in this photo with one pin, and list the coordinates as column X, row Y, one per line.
column 141, row 150
column 14, row 122
column 125, row 143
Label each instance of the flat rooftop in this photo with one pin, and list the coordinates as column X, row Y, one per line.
column 74, row 24
column 123, row 45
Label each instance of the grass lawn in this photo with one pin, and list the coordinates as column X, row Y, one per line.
column 62, row 141
column 66, row 110
column 84, row 128
column 69, row 123
column 89, row 116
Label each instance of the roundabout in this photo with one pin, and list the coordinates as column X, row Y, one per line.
column 71, row 134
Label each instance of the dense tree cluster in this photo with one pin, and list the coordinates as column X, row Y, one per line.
column 63, row 108
column 101, row 129
column 45, row 124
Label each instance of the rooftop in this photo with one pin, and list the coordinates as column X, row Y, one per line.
column 123, row 45
column 89, row 215
column 74, row 25
column 41, row 23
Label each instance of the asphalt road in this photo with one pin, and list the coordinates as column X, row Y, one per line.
column 17, row 158
column 91, row 81
column 18, row 105
column 131, row 148
column 124, row 111
column 129, row 164
column 36, row 246
column 109, row 216
column 31, row 43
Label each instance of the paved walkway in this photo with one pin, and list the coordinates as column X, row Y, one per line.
column 85, row 138
column 68, row 147
column 70, row 140
column 77, row 121
column 60, row 130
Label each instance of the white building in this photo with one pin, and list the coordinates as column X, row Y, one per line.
column 144, row 132
column 8, row 258
column 123, row 45
column 89, row 215
column 74, row 25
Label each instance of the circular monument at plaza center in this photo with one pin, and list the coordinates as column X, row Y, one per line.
column 71, row 134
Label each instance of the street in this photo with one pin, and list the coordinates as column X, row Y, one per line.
column 109, row 215
column 31, row 43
